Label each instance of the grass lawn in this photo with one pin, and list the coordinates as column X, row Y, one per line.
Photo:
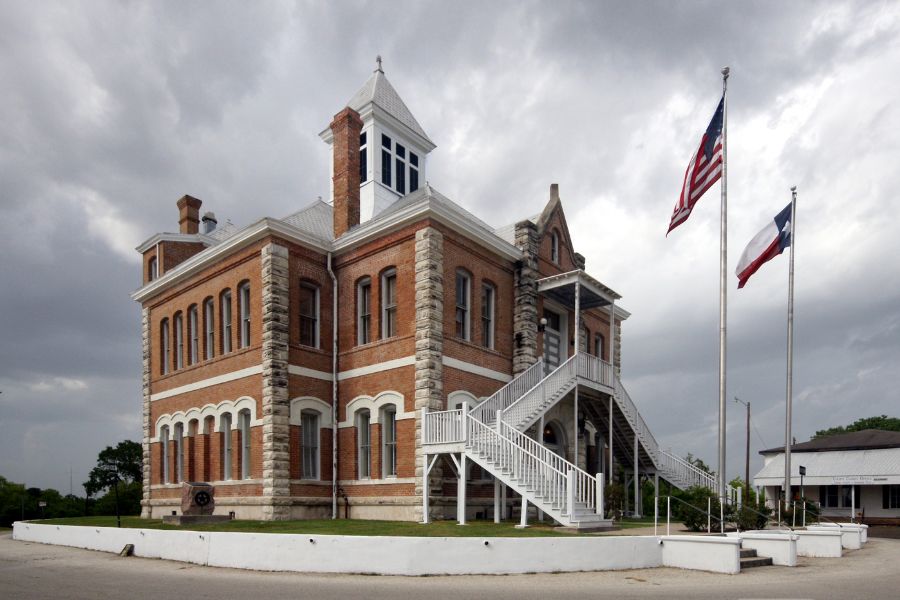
column 335, row 527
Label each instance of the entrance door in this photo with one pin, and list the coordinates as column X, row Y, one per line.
column 552, row 341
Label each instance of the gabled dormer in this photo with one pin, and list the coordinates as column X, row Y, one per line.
column 392, row 147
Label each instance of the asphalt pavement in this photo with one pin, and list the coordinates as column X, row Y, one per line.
column 29, row 570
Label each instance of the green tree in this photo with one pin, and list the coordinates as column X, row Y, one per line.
column 116, row 466
column 698, row 462
column 883, row 422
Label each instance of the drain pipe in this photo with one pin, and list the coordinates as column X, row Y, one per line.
column 334, row 389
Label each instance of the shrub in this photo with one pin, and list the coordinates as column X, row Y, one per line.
column 691, row 510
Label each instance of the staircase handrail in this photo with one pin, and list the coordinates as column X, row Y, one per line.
column 486, row 410
column 517, row 411
column 626, row 404
column 595, row 369
column 695, row 474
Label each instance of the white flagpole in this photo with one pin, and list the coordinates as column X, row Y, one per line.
column 790, row 350
column 723, row 260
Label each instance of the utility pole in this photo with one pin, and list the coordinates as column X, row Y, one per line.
column 747, row 460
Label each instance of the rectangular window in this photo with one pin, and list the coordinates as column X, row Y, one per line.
column 599, row 344
column 363, row 152
column 386, row 160
column 363, row 444
column 179, row 342
column 401, row 176
column 389, row 304
column 154, row 269
column 244, row 424
column 164, row 346
column 226, row 322
column 179, row 452
column 890, row 496
column 194, row 336
column 209, row 320
column 837, row 496
column 244, row 299
column 164, row 440
column 309, row 315
column 226, row 446
column 413, row 172
column 487, row 316
column 363, row 311
column 389, row 451
column 462, row 305
column 309, row 429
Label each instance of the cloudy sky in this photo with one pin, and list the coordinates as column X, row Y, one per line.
column 111, row 111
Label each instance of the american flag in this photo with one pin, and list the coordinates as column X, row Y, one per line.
column 704, row 170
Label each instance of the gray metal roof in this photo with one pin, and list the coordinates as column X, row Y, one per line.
column 379, row 91
column 823, row 467
column 315, row 219
column 856, row 440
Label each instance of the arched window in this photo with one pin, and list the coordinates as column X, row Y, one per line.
column 554, row 438
column 152, row 269
column 179, row 341
column 179, row 452
column 309, row 430
column 225, row 307
column 389, row 441
column 363, row 310
column 164, row 441
column 244, row 301
column 244, row 425
column 463, row 303
column 209, row 321
column 488, row 298
column 309, row 314
column 554, row 247
column 225, row 427
column 193, row 335
column 389, row 303
column 363, row 444
column 164, row 347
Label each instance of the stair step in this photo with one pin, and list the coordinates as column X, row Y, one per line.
column 748, row 553
column 756, row 561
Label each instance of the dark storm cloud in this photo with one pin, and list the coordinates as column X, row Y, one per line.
column 113, row 110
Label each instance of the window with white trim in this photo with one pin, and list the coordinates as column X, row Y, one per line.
column 226, row 446
column 363, row 311
column 413, row 172
column 554, row 247
column 164, row 441
column 152, row 269
column 209, row 321
column 193, row 335
column 244, row 301
column 244, row 426
column 890, row 496
column 309, row 432
column 179, row 452
column 164, row 348
column 488, row 295
column 389, row 303
column 389, row 442
column 225, row 307
column 363, row 444
column 309, row 315
column 363, row 157
column 385, row 160
column 600, row 346
column 463, row 300
column 400, row 168
column 179, row 341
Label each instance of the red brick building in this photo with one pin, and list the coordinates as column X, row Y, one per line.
column 288, row 362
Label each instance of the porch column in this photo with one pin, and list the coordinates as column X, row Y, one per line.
column 611, row 400
column 461, row 491
column 637, row 485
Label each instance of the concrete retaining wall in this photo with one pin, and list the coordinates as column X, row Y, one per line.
column 717, row 554
column 851, row 535
column 781, row 547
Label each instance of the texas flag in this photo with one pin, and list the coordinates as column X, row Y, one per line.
column 765, row 245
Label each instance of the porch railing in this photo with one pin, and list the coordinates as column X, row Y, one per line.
column 595, row 369
column 443, row 427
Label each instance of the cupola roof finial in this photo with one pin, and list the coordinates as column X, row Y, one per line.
column 378, row 68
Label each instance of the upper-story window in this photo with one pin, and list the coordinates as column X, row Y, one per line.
column 179, row 341
column 463, row 300
column 389, row 303
column 225, row 307
column 309, row 315
column 209, row 322
column 599, row 346
column 152, row 269
column 244, row 300
column 363, row 310
column 363, row 157
column 193, row 335
column 400, row 168
column 413, row 172
column 386, row 160
column 488, row 295
column 164, row 347
column 554, row 247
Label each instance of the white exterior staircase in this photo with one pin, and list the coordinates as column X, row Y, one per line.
column 492, row 434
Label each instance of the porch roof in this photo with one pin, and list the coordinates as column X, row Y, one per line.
column 592, row 293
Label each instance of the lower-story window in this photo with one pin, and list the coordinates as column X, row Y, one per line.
column 389, row 442
column 890, row 496
column 309, row 429
column 838, row 496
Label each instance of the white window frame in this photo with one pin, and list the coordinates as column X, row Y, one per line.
column 363, row 444
column 209, row 318
column 388, row 422
column 244, row 301
column 225, row 307
column 193, row 335
column 226, row 446
column 164, row 440
column 488, row 312
column 310, row 453
column 364, row 311
column 244, row 425
column 179, row 452
column 465, row 308
column 599, row 343
column 165, row 348
column 153, row 268
column 315, row 317
column 554, row 247
column 179, row 341
column 388, row 308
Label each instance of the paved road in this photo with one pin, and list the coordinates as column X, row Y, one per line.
column 29, row 570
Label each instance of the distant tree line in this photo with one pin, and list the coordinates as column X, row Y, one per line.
column 883, row 422
column 118, row 473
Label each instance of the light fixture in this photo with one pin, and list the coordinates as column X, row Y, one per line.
column 543, row 324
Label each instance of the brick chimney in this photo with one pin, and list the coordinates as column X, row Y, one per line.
column 189, row 214
column 345, row 129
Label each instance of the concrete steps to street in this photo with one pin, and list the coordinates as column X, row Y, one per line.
column 750, row 559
